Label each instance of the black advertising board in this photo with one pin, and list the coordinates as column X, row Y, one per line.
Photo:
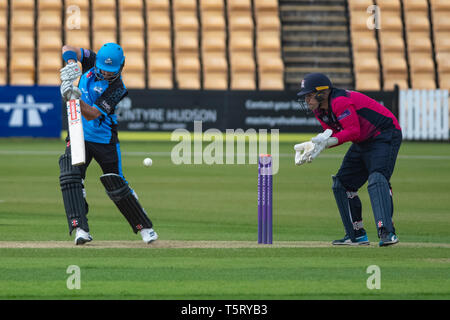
column 167, row 110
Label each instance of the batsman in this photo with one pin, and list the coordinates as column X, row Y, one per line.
column 350, row 116
column 100, row 89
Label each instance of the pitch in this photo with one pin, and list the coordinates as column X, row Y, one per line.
column 206, row 216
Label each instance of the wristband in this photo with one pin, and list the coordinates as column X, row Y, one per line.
column 69, row 55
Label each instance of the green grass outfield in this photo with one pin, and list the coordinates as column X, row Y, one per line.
column 206, row 217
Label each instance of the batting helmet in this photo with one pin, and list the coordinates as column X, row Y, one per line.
column 110, row 58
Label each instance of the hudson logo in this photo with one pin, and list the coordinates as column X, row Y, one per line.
column 25, row 108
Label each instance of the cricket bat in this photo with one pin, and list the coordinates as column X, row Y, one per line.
column 76, row 132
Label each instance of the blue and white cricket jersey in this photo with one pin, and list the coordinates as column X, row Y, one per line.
column 101, row 95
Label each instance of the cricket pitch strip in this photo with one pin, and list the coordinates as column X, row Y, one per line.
column 183, row 244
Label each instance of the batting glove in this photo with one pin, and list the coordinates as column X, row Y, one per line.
column 66, row 89
column 70, row 72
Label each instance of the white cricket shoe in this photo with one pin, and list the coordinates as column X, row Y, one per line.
column 82, row 237
column 149, row 235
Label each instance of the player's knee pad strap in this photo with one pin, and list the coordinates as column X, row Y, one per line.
column 122, row 196
column 72, row 191
column 381, row 200
column 342, row 201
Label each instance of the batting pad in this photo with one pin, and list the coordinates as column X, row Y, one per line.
column 72, row 192
column 381, row 200
column 342, row 201
column 122, row 196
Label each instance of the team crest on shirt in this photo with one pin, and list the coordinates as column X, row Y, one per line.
column 344, row 114
column 98, row 89
column 89, row 74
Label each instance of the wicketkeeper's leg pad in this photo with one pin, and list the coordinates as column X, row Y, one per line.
column 71, row 184
column 342, row 201
column 381, row 200
column 123, row 197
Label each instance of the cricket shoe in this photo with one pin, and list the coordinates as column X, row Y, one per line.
column 82, row 237
column 387, row 239
column 149, row 235
column 346, row 241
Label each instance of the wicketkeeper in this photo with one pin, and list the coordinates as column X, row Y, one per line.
column 376, row 137
column 100, row 89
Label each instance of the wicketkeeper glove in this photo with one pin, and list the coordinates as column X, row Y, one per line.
column 302, row 151
column 322, row 141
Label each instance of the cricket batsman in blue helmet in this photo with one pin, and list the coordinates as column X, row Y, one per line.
column 100, row 89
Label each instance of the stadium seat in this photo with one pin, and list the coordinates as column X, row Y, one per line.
column 22, row 40
column 78, row 38
column 215, row 71
column 49, row 40
column 418, row 42
column 391, row 21
column 391, row 41
column 265, row 6
column 443, row 62
column 22, row 4
column 389, row 5
column 241, row 41
column 213, row 20
column 182, row 5
column 134, row 79
column 415, row 5
column 238, row 5
column 444, row 81
column 442, row 41
column 3, row 66
column 186, row 41
column 441, row 21
column 267, row 21
column 22, row 19
column 130, row 5
column 160, row 62
column 132, row 40
column 358, row 21
column 364, row 41
column 185, row 20
column 49, row 19
column 159, row 40
column 215, row 81
column 440, row 5
column 423, row 80
column 367, row 81
column 82, row 4
column 102, row 37
column 243, row 81
column 268, row 41
column 417, row 21
column 242, row 62
column 213, row 41
column 131, row 21
column 22, row 68
column 240, row 21
column 49, row 5
column 49, row 64
column 102, row 5
column 104, row 20
column 271, row 81
column 366, row 62
column 211, row 5
column 157, row 4
column 359, row 5
column 160, row 80
column 158, row 20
